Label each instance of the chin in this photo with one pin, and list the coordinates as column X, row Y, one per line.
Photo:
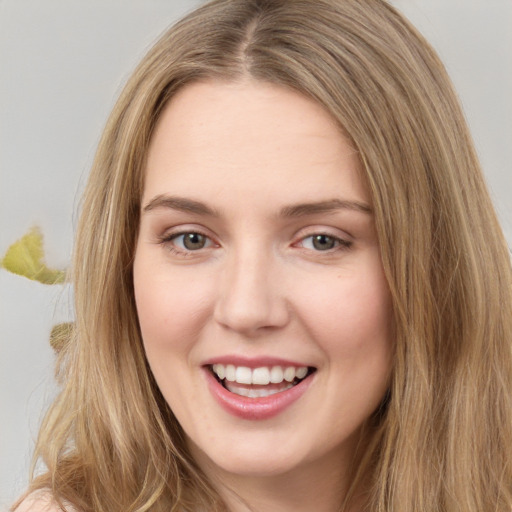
column 260, row 468
column 251, row 460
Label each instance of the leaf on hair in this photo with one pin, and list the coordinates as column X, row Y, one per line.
column 60, row 335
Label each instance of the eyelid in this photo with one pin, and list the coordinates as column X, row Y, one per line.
column 341, row 243
column 183, row 228
column 323, row 230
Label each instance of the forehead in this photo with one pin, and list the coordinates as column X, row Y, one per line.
column 249, row 138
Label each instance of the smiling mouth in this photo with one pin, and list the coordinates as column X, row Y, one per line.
column 259, row 382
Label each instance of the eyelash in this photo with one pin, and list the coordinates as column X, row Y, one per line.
column 168, row 241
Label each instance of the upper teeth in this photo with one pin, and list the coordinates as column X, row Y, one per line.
column 262, row 375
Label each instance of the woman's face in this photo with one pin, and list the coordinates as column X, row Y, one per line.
column 261, row 296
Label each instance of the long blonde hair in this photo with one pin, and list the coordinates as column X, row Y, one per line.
column 442, row 441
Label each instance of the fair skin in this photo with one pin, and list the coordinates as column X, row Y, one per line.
column 257, row 250
column 41, row 501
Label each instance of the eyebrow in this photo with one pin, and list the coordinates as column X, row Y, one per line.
column 304, row 209
column 297, row 210
column 180, row 203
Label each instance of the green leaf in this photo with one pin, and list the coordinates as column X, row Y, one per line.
column 25, row 258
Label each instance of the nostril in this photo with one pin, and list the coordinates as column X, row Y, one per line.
column 248, row 299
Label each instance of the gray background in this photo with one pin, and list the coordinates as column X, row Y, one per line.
column 62, row 64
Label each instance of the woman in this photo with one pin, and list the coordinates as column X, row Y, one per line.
column 284, row 290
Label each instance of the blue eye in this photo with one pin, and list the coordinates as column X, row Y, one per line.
column 191, row 241
column 323, row 242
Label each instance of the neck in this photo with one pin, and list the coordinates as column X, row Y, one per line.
column 283, row 493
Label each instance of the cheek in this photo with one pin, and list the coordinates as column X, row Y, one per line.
column 172, row 307
column 350, row 315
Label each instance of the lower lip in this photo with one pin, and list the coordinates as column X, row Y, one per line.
column 261, row 408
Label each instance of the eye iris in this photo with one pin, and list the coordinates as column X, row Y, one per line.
column 323, row 242
column 194, row 241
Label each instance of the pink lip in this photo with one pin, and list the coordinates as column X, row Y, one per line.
column 256, row 408
column 252, row 362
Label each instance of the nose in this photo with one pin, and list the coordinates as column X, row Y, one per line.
column 251, row 297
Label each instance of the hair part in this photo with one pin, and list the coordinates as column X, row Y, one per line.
column 110, row 442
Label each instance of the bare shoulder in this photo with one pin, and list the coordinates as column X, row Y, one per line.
column 41, row 502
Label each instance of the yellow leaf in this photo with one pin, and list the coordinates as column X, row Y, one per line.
column 60, row 335
column 25, row 258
